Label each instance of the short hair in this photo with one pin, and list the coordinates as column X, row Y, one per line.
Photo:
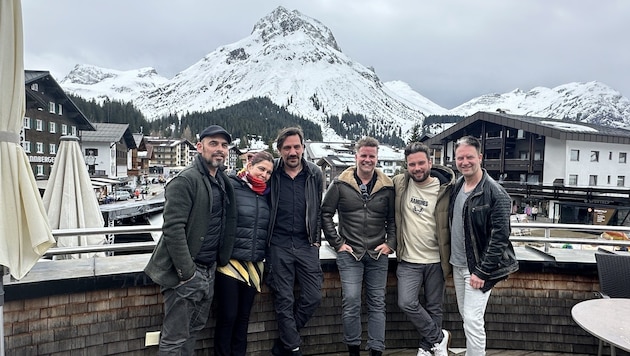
column 366, row 141
column 286, row 132
column 415, row 147
column 469, row 141
column 261, row 156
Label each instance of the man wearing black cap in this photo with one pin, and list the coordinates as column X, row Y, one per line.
column 197, row 234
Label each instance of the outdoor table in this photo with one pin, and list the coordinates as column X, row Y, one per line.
column 607, row 319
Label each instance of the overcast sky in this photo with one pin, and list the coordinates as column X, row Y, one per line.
column 448, row 51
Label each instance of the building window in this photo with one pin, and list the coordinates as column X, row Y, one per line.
column 39, row 169
column 53, row 127
column 575, row 155
column 592, row 180
column 39, row 125
column 52, row 149
column 523, row 155
column 573, row 179
column 27, row 146
column 51, row 107
column 594, row 156
column 608, row 180
column 622, row 157
column 39, row 146
column 64, row 129
column 27, row 123
column 610, row 156
column 537, row 155
column 621, row 181
column 60, row 109
column 74, row 130
column 34, row 87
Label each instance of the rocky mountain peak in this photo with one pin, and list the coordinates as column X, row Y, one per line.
column 282, row 23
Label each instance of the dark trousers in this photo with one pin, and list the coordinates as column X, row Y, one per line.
column 186, row 310
column 234, row 304
column 286, row 267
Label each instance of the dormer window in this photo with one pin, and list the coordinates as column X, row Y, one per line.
column 34, row 87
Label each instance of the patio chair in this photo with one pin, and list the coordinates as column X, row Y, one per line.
column 613, row 271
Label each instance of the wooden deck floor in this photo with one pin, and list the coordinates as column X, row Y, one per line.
column 457, row 351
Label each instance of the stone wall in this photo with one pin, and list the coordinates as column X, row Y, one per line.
column 529, row 311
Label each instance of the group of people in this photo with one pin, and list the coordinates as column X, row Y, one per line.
column 225, row 230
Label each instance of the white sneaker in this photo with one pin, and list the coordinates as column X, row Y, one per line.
column 441, row 349
column 423, row 352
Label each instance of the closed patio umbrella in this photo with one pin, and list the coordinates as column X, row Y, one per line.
column 24, row 231
column 70, row 198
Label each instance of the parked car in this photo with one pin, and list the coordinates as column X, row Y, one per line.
column 122, row 195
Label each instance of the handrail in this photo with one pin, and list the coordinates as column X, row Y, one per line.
column 148, row 246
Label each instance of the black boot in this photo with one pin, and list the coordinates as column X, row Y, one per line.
column 354, row 350
column 376, row 353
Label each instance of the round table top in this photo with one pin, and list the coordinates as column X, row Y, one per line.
column 607, row 319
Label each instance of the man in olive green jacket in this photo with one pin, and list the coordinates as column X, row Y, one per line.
column 198, row 232
column 424, row 245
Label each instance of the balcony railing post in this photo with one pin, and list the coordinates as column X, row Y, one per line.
column 547, row 236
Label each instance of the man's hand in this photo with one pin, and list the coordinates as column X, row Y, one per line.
column 383, row 249
column 345, row 248
column 476, row 282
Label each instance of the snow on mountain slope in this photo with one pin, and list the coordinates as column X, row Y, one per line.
column 591, row 102
column 295, row 61
column 92, row 82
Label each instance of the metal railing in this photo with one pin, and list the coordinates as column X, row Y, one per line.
column 547, row 239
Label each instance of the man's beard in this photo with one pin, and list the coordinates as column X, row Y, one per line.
column 422, row 178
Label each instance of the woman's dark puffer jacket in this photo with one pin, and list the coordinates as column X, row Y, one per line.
column 252, row 222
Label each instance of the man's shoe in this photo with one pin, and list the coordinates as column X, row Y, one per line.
column 423, row 352
column 441, row 348
column 354, row 350
column 376, row 353
column 278, row 349
column 297, row 352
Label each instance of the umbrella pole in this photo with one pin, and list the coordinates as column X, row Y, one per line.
column 1, row 310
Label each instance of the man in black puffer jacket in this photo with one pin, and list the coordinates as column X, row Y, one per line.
column 364, row 198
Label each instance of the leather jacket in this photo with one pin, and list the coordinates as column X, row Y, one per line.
column 313, row 190
column 489, row 252
column 363, row 224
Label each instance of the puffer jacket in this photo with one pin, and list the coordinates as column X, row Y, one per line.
column 489, row 252
column 446, row 176
column 252, row 224
column 362, row 224
column 313, row 192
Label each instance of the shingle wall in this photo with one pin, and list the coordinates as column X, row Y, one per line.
column 529, row 311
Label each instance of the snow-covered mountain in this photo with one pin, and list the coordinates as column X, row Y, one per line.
column 92, row 82
column 295, row 61
column 290, row 58
column 592, row 102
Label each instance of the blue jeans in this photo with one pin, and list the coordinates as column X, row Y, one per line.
column 427, row 320
column 353, row 275
column 286, row 265
column 472, row 307
column 186, row 310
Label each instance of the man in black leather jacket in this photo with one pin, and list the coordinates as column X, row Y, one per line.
column 481, row 252
column 294, row 240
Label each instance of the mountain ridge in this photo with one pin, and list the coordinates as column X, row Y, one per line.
column 295, row 61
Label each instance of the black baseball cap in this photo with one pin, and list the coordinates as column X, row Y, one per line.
column 214, row 130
